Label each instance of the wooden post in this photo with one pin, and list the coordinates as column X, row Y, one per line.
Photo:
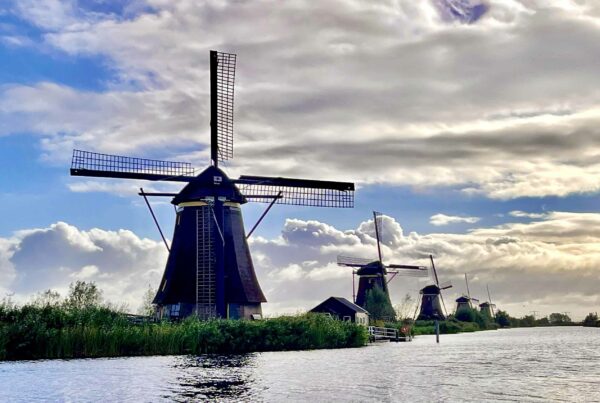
column 437, row 331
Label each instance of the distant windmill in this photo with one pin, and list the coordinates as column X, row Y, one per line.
column 465, row 301
column 209, row 272
column 432, row 299
column 487, row 308
column 373, row 273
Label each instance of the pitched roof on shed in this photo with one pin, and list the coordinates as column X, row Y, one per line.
column 350, row 305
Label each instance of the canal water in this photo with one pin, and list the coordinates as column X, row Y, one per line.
column 539, row 364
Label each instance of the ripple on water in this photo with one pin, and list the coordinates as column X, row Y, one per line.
column 542, row 364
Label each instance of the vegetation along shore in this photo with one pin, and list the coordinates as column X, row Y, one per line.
column 80, row 326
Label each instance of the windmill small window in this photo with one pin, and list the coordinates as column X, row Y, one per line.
column 175, row 309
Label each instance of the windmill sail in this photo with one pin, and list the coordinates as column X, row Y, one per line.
column 222, row 80
column 377, row 221
column 299, row 192
column 445, row 285
column 353, row 261
column 86, row 163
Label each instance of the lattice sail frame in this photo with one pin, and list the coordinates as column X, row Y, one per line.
column 409, row 272
column 352, row 261
column 225, row 90
column 445, row 285
column 86, row 162
column 298, row 196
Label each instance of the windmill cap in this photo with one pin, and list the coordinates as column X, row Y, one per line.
column 430, row 289
column 212, row 182
column 371, row 269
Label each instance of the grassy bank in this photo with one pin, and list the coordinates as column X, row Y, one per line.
column 465, row 321
column 450, row 326
column 35, row 332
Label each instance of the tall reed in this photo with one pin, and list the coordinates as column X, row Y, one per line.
column 34, row 332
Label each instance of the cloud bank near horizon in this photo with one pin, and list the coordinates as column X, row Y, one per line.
column 549, row 265
column 394, row 93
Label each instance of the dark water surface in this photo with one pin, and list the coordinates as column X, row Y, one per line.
column 540, row 364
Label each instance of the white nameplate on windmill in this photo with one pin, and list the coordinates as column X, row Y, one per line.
column 217, row 180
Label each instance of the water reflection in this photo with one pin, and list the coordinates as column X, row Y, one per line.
column 213, row 377
column 538, row 365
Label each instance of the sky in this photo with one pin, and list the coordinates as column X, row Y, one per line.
column 472, row 125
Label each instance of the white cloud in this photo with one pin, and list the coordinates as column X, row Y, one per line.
column 86, row 273
column 121, row 263
column 387, row 93
column 523, row 214
column 48, row 14
column 16, row 40
column 443, row 219
column 528, row 266
column 120, row 187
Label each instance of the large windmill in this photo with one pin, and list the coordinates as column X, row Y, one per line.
column 209, row 271
column 372, row 273
column 432, row 299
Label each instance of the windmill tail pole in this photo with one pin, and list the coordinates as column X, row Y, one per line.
column 265, row 213
column 443, row 304
column 155, row 220
column 417, row 310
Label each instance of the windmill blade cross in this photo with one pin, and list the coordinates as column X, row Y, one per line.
column 86, row 163
column 298, row 192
